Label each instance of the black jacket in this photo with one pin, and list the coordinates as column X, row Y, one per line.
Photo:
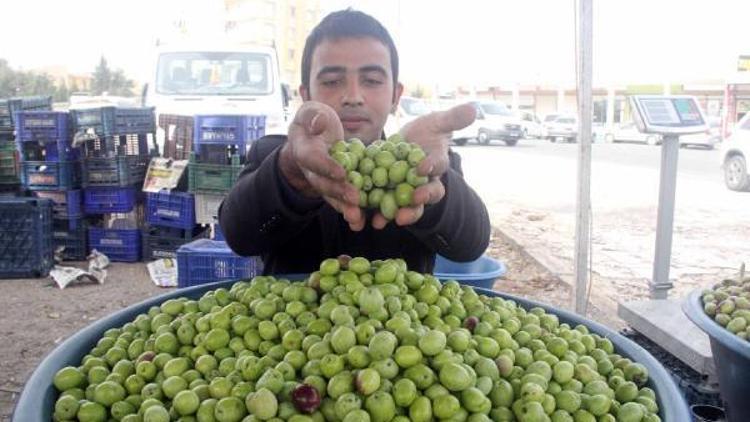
column 263, row 215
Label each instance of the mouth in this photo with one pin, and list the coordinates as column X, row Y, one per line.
column 354, row 123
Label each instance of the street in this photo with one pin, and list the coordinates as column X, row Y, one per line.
column 530, row 193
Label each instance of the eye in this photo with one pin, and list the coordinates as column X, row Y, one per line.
column 373, row 82
column 331, row 83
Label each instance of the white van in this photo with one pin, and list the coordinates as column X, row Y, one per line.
column 494, row 121
column 189, row 79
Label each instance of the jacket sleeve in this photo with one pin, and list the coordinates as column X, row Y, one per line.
column 262, row 211
column 457, row 227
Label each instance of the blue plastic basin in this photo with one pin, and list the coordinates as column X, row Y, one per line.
column 479, row 273
column 38, row 397
column 731, row 356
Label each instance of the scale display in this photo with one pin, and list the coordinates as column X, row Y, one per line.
column 668, row 115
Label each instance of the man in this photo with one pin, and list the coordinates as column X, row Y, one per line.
column 292, row 204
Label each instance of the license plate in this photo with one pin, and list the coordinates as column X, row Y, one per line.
column 513, row 133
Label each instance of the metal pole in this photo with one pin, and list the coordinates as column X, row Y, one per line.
column 660, row 283
column 583, row 197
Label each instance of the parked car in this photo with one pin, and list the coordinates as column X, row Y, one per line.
column 708, row 139
column 735, row 153
column 530, row 124
column 409, row 108
column 562, row 129
column 494, row 121
column 629, row 132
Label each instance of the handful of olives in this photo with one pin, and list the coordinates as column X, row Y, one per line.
column 384, row 172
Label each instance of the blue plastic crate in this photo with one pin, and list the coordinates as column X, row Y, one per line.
column 123, row 245
column 25, row 237
column 66, row 204
column 115, row 145
column 9, row 107
column 481, row 272
column 70, row 235
column 107, row 121
column 51, row 175
column 171, row 209
column 124, row 170
column 32, row 126
column 106, row 199
column 228, row 130
column 218, row 234
column 50, row 149
column 206, row 261
column 163, row 242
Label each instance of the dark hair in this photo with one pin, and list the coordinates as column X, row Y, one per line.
column 347, row 23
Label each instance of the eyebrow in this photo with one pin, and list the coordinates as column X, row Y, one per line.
column 341, row 69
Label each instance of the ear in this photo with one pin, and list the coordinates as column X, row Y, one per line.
column 397, row 91
column 304, row 93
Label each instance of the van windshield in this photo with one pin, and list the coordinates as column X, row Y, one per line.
column 414, row 107
column 495, row 109
column 214, row 73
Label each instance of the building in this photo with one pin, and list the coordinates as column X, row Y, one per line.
column 280, row 23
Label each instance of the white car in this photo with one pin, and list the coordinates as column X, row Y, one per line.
column 532, row 127
column 735, row 153
column 409, row 108
column 562, row 129
column 494, row 121
column 708, row 139
column 629, row 132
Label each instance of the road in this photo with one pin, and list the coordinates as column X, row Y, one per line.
column 530, row 192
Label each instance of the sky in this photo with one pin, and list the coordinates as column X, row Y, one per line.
column 470, row 42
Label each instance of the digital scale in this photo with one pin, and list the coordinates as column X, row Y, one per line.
column 669, row 116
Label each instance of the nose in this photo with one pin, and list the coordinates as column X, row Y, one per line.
column 352, row 94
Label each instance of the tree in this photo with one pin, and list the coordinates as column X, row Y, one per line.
column 62, row 93
column 109, row 81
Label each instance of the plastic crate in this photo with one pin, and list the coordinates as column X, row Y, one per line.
column 228, row 130
column 212, row 178
column 206, row 261
column 41, row 125
column 178, row 135
column 9, row 168
column 122, row 245
column 51, row 175
column 116, row 145
column 171, row 209
column 218, row 234
column 70, row 235
column 107, row 121
column 207, row 208
column 161, row 242
column 49, row 150
column 25, row 237
column 481, row 272
column 9, row 107
column 124, row 170
column 66, row 204
column 106, row 199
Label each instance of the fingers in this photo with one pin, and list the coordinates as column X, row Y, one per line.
column 336, row 189
column 379, row 222
column 318, row 119
column 408, row 216
column 435, row 164
column 313, row 157
column 351, row 213
column 429, row 194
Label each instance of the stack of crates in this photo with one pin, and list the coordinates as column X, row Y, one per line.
column 10, row 166
column 51, row 169
column 220, row 144
column 171, row 223
column 26, row 237
column 117, row 146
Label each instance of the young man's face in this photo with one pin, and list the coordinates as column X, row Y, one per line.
column 353, row 76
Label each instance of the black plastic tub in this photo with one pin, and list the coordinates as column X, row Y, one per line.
column 38, row 397
column 731, row 356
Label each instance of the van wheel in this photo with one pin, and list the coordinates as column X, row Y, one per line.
column 460, row 142
column 511, row 142
column 735, row 173
column 483, row 137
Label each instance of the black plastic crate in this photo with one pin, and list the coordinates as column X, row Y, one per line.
column 51, row 175
column 178, row 135
column 107, row 121
column 9, row 107
column 41, row 125
column 163, row 242
column 123, row 170
column 25, row 237
column 70, row 236
column 116, row 145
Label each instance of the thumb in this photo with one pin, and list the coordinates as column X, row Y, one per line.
column 455, row 118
